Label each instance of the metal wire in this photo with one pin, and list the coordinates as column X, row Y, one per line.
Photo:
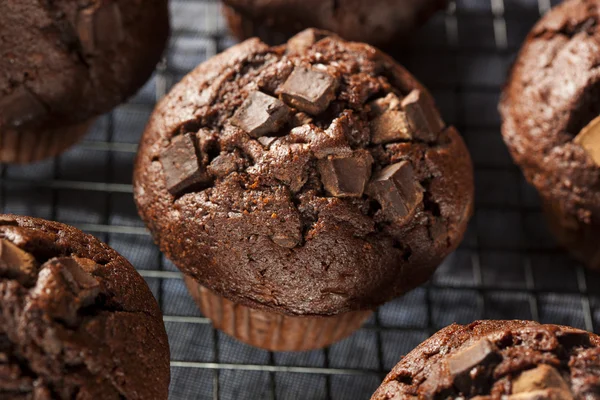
column 468, row 277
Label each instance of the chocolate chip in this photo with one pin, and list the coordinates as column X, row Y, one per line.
column 223, row 165
column 100, row 27
column 78, row 272
column 309, row 90
column 17, row 264
column 541, row 377
column 468, row 367
column 391, row 126
column 305, row 39
column 285, row 241
column 20, row 108
column 181, row 166
column 261, row 114
column 397, row 191
column 424, row 119
column 64, row 286
column 267, row 141
column 589, row 139
column 346, row 176
column 381, row 105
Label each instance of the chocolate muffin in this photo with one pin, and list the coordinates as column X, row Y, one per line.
column 379, row 22
column 65, row 62
column 312, row 179
column 550, row 107
column 76, row 320
column 513, row 360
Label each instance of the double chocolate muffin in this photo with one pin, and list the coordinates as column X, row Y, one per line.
column 311, row 180
column 378, row 22
column 513, row 360
column 76, row 320
column 65, row 62
column 550, row 107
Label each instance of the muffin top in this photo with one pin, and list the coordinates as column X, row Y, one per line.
column 550, row 99
column 66, row 61
column 378, row 22
column 76, row 319
column 311, row 178
column 513, row 360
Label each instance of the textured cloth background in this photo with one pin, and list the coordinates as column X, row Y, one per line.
column 508, row 266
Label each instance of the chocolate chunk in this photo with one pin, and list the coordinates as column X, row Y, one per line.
column 541, row 377
column 391, row 126
column 346, row 176
column 64, row 286
column 381, row 105
column 285, row 241
column 589, row 139
column 309, row 90
column 267, row 141
column 305, row 39
column 548, row 394
column 20, row 108
column 100, row 27
column 261, row 114
column 181, row 166
column 223, row 165
column 468, row 367
column 397, row 191
column 425, row 121
column 78, row 272
column 17, row 264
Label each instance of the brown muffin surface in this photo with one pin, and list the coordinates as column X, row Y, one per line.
column 76, row 319
column 513, row 360
column 313, row 178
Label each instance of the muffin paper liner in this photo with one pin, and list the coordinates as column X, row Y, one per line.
column 582, row 240
column 27, row 146
column 272, row 331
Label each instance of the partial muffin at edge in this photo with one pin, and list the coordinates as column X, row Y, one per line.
column 77, row 320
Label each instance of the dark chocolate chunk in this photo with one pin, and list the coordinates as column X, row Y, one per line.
column 305, row 39
column 78, row 273
column 309, row 90
column 425, row 121
column 383, row 104
column 285, row 241
column 589, row 139
column 346, row 176
column 468, row 367
column 397, row 191
column 20, row 108
column 17, row 264
column 541, row 377
column 391, row 126
column 181, row 166
column 100, row 27
column 64, row 286
column 261, row 114
column 267, row 141
column 223, row 165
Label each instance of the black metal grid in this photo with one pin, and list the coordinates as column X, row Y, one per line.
column 507, row 267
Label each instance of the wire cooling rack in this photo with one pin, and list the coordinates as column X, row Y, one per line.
column 508, row 266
